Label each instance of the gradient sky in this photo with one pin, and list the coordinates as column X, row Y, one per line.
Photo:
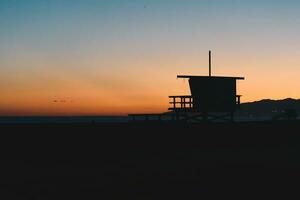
column 111, row 57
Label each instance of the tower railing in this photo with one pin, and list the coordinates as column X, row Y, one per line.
column 185, row 102
column 182, row 102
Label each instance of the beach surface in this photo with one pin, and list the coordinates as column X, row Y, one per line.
column 149, row 160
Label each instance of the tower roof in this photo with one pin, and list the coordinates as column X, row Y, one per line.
column 212, row 77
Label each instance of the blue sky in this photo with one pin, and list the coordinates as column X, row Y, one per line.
column 124, row 50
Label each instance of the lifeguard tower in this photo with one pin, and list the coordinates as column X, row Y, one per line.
column 213, row 98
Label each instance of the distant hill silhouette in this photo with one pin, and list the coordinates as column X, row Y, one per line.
column 269, row 107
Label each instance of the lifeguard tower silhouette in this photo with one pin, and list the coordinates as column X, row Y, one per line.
column 213, row 98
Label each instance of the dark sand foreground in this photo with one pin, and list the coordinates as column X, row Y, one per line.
column 150, row 161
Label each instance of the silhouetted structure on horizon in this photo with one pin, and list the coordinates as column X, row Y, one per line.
column 212, row 98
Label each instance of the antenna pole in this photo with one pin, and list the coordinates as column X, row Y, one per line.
column 209, row 58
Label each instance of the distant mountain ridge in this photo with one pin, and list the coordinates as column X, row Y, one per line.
column 269, row 107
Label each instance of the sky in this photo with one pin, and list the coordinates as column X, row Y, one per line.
column 114, row 57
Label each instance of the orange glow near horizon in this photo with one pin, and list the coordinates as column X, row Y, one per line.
column 130, row 92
